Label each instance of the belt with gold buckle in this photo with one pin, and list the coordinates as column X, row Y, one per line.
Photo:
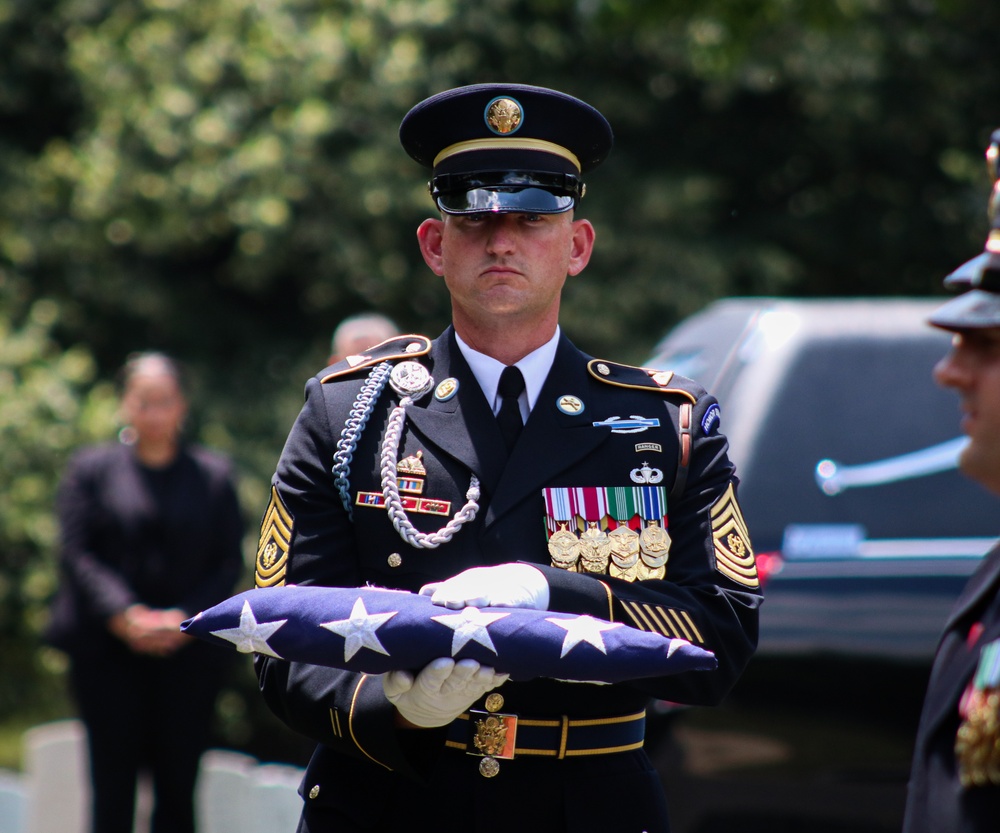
column 495, row 736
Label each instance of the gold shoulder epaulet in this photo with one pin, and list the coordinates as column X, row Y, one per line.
column 643, row 378
column 398, row 347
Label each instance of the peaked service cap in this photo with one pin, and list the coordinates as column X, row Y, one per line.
column 506, row 147
column 978, row 279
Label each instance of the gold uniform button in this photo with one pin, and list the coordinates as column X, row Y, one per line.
column 314, row 792
column 494, row 702
column 395, row 559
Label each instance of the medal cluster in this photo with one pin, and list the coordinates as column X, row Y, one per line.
column 621, row 553
column 619, row 531
column 977, row 745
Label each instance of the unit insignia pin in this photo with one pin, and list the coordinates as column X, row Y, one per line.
column 446, row 390
column 411, row 379
column 413, row 464
column 569, row 404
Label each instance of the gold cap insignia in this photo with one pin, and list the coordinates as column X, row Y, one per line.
column 503, row 116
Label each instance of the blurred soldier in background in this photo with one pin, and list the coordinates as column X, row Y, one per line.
column 356, row 333
column 955, row 780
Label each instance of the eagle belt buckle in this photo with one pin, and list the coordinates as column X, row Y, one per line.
column 493, row 739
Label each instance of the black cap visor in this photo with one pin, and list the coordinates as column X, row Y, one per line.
column 972, row 310
column 504, row 201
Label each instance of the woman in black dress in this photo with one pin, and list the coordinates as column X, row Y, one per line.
column 150, row 534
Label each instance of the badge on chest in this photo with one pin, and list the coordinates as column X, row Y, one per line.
column 619, row 531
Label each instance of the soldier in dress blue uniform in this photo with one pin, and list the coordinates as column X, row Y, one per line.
column 498, row 465
column 955, row 778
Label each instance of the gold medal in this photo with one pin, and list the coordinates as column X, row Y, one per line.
column 595, row 549
column 624, row 553
column 977, row 745
column 654, row 544
column 564, row 549
column 644, row 572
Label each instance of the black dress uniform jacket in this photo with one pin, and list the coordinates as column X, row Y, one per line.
column 365, row 774
column 937, row 802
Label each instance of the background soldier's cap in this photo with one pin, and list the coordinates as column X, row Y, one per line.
column 506, row 147
column 978, row 279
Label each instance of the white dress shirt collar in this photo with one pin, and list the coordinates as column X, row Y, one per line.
column 534, row 367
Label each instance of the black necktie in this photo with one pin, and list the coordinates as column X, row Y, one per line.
column 509, row 415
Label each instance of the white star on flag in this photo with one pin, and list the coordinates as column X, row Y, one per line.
column 359, row 630
column 251, row 636
column 470, row 626
column 583, row 629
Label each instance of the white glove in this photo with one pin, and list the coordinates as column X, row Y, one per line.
column 441, row 692
column 505, row 585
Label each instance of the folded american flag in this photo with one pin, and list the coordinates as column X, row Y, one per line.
column 374, row 630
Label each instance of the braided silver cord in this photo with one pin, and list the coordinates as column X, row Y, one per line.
column 390, row 490
column 361, row 411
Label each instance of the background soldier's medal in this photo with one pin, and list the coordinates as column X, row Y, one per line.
column 564, row 549
column 977, row 745
column 624, row 553
column 411, row 379
column 595, row 549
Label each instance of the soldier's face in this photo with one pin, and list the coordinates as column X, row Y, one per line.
column 505, row 267
column 972, row 368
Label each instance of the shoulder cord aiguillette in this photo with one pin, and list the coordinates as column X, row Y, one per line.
column 361, row 410
column 408, row 378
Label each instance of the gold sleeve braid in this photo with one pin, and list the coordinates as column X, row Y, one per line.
column 276, row 529
column 734, row 556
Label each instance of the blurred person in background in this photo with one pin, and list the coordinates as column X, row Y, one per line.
column 150, row 534
column 358, row 332
column 955, row 777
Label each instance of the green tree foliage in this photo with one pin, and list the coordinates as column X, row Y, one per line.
column 222, row 180
column 49, row 405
